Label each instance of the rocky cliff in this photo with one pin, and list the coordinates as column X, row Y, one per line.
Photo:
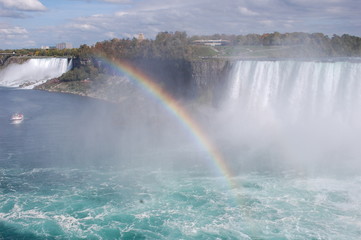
column 201, row 80
column 5, row 60
column 209, row 78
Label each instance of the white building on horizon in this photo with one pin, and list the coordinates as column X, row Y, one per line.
column 61, row 46
column 140, row 37
column 211, row 42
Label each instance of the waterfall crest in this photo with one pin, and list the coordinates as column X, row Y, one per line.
column 297, row 90
column 33, row 72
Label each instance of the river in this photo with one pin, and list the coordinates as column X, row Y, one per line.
column 72, row 170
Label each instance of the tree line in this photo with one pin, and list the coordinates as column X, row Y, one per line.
column 177, row 45
column 315, row 44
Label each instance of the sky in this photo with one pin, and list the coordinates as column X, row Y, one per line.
column 36, row 23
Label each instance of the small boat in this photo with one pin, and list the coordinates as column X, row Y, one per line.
column 17, row 117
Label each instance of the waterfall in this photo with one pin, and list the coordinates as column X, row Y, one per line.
column 33, row 72
column 302, row 113
column 296, row 89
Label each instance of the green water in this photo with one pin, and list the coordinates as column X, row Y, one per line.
column 74, row 170
column 47, row 203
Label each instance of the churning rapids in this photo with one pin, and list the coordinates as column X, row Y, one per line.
column 79, row 168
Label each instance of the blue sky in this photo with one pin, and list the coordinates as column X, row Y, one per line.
column 36, row 23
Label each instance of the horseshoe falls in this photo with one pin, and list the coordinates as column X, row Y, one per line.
column 289, row 131
column 298, row 90
column 301, row 113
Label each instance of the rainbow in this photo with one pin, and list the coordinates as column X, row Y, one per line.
column 175, row 109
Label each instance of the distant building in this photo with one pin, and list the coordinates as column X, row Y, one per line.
column 140, row 37
column 61, row 46
column 218, row 42
column 45, row 47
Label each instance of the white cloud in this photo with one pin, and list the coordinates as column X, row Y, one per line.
column 10, row 35
column 84, row 27
column 111, row 34
column 120, row 14
column 266, row 22
column 98, row 15
column 13, row 30
column 11, row 13
column 30, row 43
column 245, row 11
column 288, row 24
column 23, row 5
column 335, row 10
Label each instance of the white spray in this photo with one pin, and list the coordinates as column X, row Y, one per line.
column 304, row 112
column 33, row 72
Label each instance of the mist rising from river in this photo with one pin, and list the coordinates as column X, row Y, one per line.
column 299, row 114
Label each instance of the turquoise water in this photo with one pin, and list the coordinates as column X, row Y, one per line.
column 47, row 203
column 77, row 169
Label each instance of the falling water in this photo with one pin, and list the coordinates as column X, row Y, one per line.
column 300, row 112
column 297, row 89
column 33, row 72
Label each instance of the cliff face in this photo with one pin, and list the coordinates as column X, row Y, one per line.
column 208, row 72
column 3, row 59
column 209, row 78
column 8, row 59
column 203, row 80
